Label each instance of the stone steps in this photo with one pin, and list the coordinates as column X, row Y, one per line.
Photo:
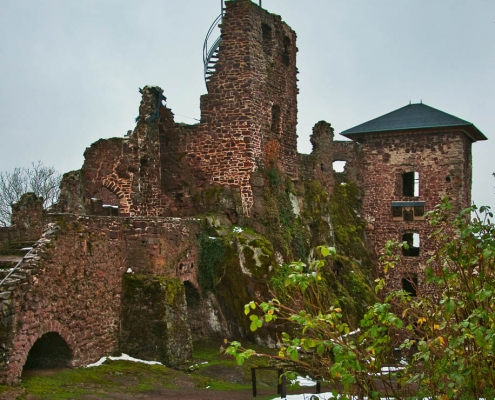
column 9, row 261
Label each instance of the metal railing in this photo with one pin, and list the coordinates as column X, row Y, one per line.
column 18, row 264
column 209, row 50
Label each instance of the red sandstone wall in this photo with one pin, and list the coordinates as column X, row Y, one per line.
column 434, row 155
column 252, row 76
column 73, row 282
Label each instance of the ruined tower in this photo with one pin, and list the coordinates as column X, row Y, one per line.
column 249, row 116
column 411, row 159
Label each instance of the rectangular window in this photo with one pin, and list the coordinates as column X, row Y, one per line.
column 419, row 211
column 410, row 284
column 408, row 210
column 397, row 212
column 408, row 214
column 411, row 249
column 410, row 184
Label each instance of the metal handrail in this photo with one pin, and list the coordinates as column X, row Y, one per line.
column 18, row 264
column 210, row 54
column 206, row 49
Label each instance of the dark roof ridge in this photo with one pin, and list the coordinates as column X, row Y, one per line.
column 413, row 116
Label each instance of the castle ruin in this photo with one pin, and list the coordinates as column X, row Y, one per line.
column 124, row 262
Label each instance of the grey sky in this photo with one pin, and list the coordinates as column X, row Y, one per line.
column 70, row 70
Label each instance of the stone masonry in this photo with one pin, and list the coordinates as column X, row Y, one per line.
column 115, row 268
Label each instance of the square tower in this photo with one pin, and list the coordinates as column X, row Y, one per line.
column 411, row 159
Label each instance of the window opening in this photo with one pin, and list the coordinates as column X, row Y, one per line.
column 193, row 298
column 339, row 166
column 410, row 284
column 408, row 210
column 286, row 52
column 397, row 212
column 412, row 241
column 275, row 126
column 410, row 184
column 266, row 32
column 408, row 214
column 419, row 211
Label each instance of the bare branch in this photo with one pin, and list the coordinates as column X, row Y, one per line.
column 42, row 180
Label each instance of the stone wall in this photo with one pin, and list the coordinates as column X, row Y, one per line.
column 72, row 285
column 248, row 117
column 319, row 164
column 27, row 224
column 442, row 158
column 154, row 319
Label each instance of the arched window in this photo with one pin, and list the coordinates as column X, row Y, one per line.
column 193, row 298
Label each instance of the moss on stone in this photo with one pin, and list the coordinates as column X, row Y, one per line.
column 153, row 286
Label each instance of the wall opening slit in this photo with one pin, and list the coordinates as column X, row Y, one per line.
column 275, row 124
column 286, row 52
column 266, row 33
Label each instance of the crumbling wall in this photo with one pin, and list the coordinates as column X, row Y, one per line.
column 319, row 164
column 248, row 117
column 27, row 223
column 71, row 284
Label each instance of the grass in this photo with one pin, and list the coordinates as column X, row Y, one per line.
column 208, row 369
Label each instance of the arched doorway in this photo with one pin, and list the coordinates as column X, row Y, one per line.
column 49, row 351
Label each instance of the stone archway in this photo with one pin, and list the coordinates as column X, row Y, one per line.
column 49, row 351
column 24, row 341
column 114, row 185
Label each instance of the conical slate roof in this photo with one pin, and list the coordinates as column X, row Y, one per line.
column 414, row 116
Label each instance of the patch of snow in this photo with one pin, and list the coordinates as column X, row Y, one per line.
column 123, row 357
column 305, row 381
column 308, row 396
column 237, row 229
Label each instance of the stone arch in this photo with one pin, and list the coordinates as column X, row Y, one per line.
column 49, row 351
column 20, row 354
column 124, row 195
column 107, row 196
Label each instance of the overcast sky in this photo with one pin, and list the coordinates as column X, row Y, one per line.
column 70, row 70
